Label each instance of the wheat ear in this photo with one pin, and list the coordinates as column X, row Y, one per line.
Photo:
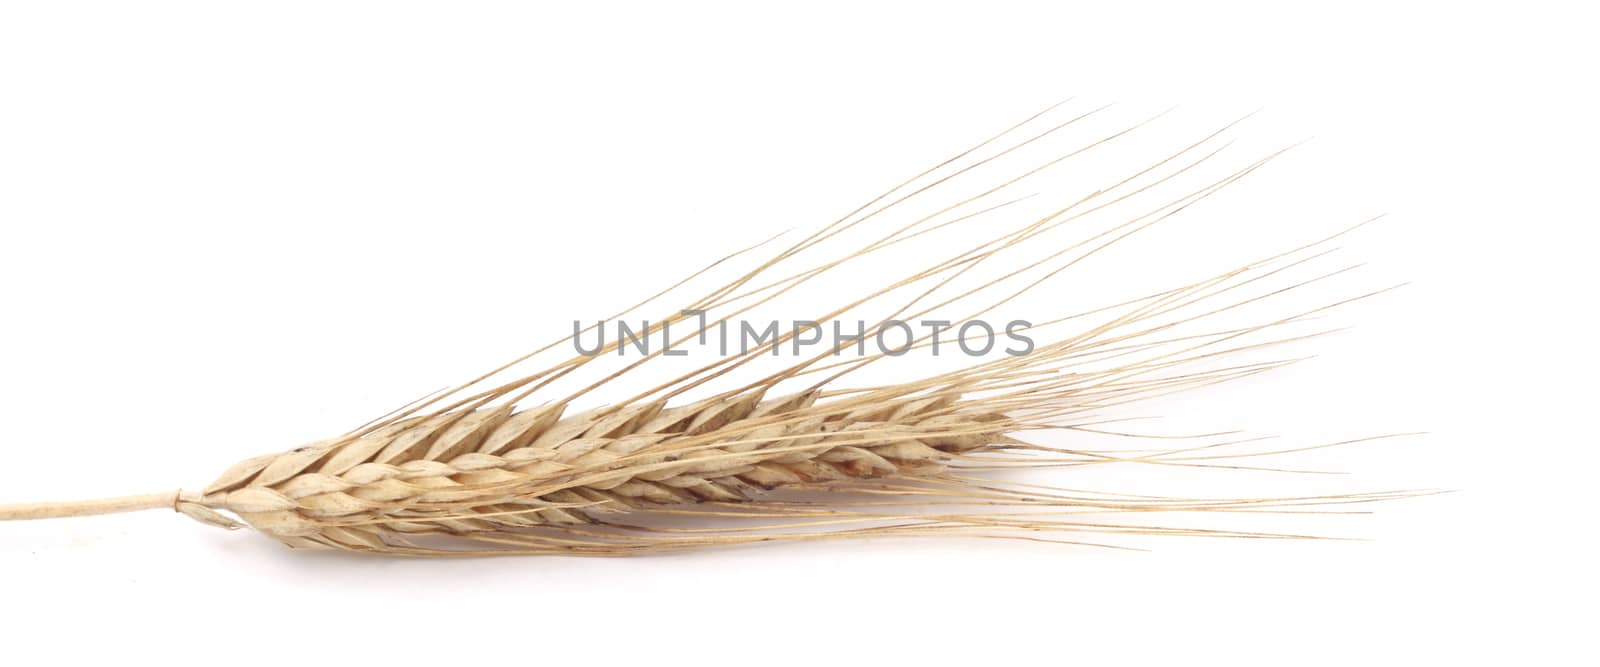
column 480, row 471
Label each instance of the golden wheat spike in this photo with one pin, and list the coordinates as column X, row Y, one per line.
column 479, row 471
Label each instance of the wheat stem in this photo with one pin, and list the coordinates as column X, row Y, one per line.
column 57, row 510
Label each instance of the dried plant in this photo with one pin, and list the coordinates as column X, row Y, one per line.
column 797, row 453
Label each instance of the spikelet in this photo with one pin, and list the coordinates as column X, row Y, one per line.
column 799, row 454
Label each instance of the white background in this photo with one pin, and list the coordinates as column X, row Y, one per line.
column 228, row 229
